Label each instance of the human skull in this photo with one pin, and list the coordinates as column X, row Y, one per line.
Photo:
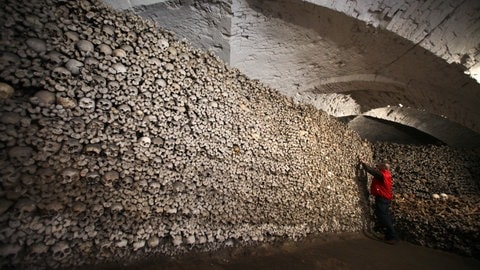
column 87, row 104
column 104, row 104
column 25, row 205
column 79, row 207
column 74, row 66
column 9, row 250
column 71, row 36
column 156, row 162
column 38, row 249
column 92, row 178
column 10, row 176
column 124, row 109
column 136, row 70
column 158, row 141
column 61, row 73
column 131, row 36
column 113, row 128
column 154, row 188
column 120, row 53
column 37, row 45
column 94, row 126
column 127, row 182
column 142, row 184
column 155, row 62
column 112, row 150
column 54, row 207
column 97, row 210
column 6, row 91
column 177, row 240
column 104, row 49
column 51, row 147
column 116, row 207
column 144, row 142
column 127, row 48
column 21, row 155
column 93, row 148
column 108, row 30
column 163, row 44
column 138, row 115
column 178, row 186
column 61, row 251
column 56, row 57
column 10, row 118
column 131, row 91
column 150, row 119
column 119, row 68
column 169, row 67
column 52, row 30
column 78, row 125
column 128, row 156
column 85, row 47
column 44, row 97
column 46, row 175
column 161, row 83
column 110, row 177
column 70, row 175
column 138, row 245
column 8, row 59
column 153, row 242
column 113, row 86
column 66, row 102
column 122, row 243
column 91, row 61
column 72, row 146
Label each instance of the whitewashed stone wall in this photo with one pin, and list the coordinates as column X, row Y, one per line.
column 206, row 24
column 449, row 29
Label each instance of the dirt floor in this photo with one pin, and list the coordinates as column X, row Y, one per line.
column 345, row 251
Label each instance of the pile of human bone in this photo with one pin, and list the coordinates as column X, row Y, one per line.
column 437, row 201
column 119, row 142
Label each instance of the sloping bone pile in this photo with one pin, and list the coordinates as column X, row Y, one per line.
column 117, row 141
column 438, row 195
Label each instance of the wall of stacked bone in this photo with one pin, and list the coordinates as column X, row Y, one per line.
column 437, row 189
column 118, row 141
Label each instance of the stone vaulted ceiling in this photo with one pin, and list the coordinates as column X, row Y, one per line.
column 410, row 62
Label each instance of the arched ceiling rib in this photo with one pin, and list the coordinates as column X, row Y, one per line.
column 440, row 127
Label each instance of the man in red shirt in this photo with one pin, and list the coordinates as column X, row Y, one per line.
column 381, row 188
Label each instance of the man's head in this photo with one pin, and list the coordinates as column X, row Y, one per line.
column 383, row 166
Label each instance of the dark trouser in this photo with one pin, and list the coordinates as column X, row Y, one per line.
column 382, row 211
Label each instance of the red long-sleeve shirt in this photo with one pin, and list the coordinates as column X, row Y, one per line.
column 382, row 188
column 381, row 183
